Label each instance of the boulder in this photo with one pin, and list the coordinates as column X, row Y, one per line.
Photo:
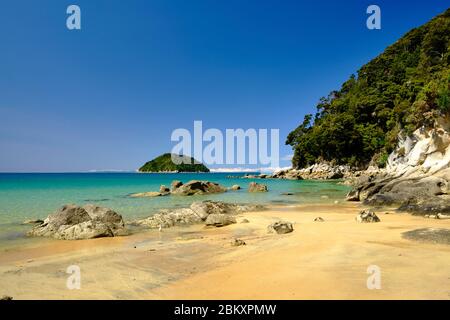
column 319, row 219
column 73, row 222
column 235, row 187
column 204, row 208
column 257, row 187
column 169, row 218
column 198, row 187
column 367, row 216
column 219, row 220
column 198, row 212
column 85, row 230
column 245, row 221
column 280, row 227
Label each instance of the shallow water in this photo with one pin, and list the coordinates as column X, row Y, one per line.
column 35, row 195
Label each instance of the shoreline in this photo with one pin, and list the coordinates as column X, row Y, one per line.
column 318, row 260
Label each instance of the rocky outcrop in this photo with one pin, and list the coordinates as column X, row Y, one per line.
column 178, row 188
column 211, row 213
column 416, row 177
column 198, row 187
column 318, row 171
column 280, row 227
column 73, row 222
column 257, row 187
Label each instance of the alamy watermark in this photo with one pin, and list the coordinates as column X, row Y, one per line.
column 73, row 21
column 74, row 280
column 374, row 280
column 234, row 146
column 374, row 20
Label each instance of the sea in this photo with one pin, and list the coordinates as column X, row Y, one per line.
column 26, row 196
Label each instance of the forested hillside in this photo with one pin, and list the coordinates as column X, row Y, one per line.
column 405, row 87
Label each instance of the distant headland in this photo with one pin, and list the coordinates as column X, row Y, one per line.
column 164, row 163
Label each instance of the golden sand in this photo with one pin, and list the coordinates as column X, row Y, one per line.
column 319, row 260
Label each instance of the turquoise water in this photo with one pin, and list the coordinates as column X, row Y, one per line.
column 35, row 195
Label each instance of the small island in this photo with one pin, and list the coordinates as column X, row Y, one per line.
column 164, row 163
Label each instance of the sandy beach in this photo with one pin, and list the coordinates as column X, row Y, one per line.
column 319, row 260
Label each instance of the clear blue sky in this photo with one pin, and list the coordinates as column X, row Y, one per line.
column 108, row 96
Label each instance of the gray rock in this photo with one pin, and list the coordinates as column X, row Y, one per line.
column 257, row 187
column 433, row 235
column 280, row 227
column 85, row 230
column 170, row 218
column 219, row 220
column 73, row 222
column 198, row 212
column 204, row 208
column 198, row 187
column 352, row 195
column 367, row 216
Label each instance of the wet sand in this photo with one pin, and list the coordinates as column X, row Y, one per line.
column 319, row 260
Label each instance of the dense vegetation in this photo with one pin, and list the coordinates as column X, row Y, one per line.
column 164, row 163
column 404, row 88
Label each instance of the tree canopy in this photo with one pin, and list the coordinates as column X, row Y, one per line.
column 406, row 87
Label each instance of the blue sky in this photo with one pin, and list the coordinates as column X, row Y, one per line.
column 109, row 95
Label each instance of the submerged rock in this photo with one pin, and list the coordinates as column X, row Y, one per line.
column 147, row 194
column 73, row 222
column 257, row 187
column 280, row 227
column 367, row 216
